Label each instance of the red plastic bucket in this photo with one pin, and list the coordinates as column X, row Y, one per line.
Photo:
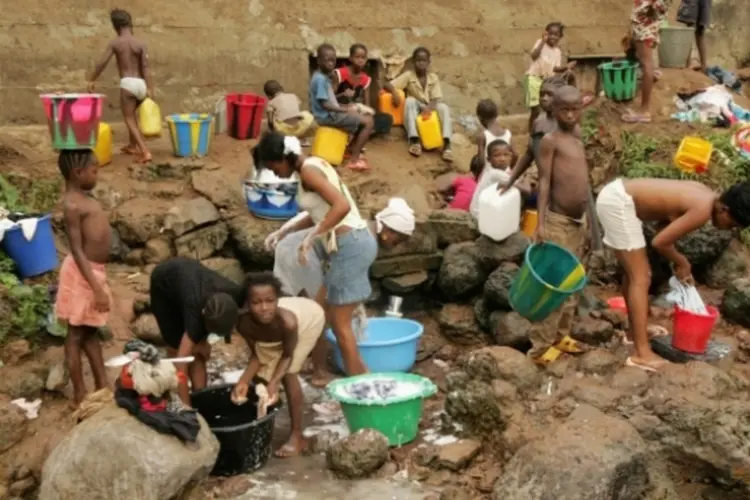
column 245, row 115
column 690, row 331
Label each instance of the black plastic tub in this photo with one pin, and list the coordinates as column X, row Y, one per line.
column 245, row 442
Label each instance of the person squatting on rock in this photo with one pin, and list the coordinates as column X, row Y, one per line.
column 680, row 207
column 344, row 244
column 281, row 332
column 189, row 302
column 83, row 296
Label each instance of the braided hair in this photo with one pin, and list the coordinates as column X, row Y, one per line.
column 220, row 315
column 72, row 159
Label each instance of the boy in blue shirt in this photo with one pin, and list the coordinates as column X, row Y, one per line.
column 329, row 113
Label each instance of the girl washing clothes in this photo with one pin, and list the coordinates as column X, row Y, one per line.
column 344, row 244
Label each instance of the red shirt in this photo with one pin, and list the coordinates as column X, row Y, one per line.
column 464, row 187
column 347, row 80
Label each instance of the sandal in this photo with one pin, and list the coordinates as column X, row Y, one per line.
column 646, row 368
column 552, row 354
column 571, row 346
column 415, row 149
column 447, row 155
column 360, row 165
column 632, row 117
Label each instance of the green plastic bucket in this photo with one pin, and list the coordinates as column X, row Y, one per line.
column 619, row 79
column 397, row 418
column 550, row 274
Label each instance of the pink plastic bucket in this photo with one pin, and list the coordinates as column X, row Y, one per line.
column 73, row 119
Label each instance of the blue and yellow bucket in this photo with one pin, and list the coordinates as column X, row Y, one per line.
column 191, row 133
column 550, row 274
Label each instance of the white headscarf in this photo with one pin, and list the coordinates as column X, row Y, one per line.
column 397, row 216
column 292, row 145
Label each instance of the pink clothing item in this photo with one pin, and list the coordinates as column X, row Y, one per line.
column 549, row 59
column 464, row 187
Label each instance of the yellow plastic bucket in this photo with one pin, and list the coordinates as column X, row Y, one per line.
column 330, row 144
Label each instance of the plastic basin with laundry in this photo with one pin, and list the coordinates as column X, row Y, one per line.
column 272, row 200
column 30, row 243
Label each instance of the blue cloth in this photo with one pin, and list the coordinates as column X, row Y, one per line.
column 727, row 78
column 347, row 273
column 320, row 91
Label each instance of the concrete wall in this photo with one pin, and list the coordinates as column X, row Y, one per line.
column 200, row 49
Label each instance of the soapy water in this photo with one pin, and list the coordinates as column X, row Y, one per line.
column 379, row 390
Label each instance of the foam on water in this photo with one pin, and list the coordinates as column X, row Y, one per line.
column 379, row 390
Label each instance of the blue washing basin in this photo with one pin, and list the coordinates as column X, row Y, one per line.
column 389, row 345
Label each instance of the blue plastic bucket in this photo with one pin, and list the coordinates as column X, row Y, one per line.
column 550, row 274
column 34, row 257
column 389, row 345
column 272, row 200
column 191, row 133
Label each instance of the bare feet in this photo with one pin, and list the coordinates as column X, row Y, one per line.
column 130, row 150
column 292, row 448
column 320, row 379
column 653, row 363
column 145, row 158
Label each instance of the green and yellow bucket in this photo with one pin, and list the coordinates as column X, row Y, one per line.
column 550, row 274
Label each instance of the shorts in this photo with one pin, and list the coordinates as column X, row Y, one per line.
column 347, row 270
column 695, row 13
column 532, row 86
column 343, row 121
column 623, row 230
column 647, row 19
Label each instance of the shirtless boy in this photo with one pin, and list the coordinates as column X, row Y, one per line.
column 83, row 297
column 135, row 78
column 281, row 334
column 563, row 206
column 682, row 206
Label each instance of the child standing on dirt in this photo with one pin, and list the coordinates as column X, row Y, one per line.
column 546, row 61
column 329, row 113
column 135, row 78
column 563, row 207
column 423, row 96
column 283, row 111
column 351, row 82
column 281, row 332
column 83, row 296
column 681, row 207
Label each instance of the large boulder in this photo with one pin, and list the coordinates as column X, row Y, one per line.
column 359, row 454
column 113, row 455
column 140, row 219
column 731, row 265
column 509, row 329
column 214, row 184
column 497, row 286
column 503, row 363
column 493, row 253
column 460, row 273
column 187, row 215
column 202, row 243
column 248, row 235
column 422, row 241
column 736, row 304
column 453, row 226
column 459, row 324
column 591, row 456
column 231, row 269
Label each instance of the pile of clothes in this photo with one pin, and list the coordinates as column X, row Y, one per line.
column 713, row 105
column 147, row 389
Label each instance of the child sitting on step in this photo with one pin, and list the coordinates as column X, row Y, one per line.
column 283, row 112
column 351, row 82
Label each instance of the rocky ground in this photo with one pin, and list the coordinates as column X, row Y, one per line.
column 502, row 428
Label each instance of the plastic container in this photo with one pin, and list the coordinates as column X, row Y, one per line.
column 429, row 131
column 245, row 443
column 675, row 45
column 272, row 200
column 691, row 332
column 330, row 144
column 149, row 118
column 529, row 221
column 34, row 257
column 693, row 155
column 191, row 133
column 382, row 123
column 619, row 80
column 103, row 148
column 385, row 103
column 245, row 113
column 549, row 275
column 388, row 345
column 220, row 113
column 618, row 304
column 499, row 214
column 397, row 418
column 73, row 119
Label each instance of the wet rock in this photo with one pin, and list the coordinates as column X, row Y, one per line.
column 592, row 331
column 202, row 243
column 229, row 268
column 12, row 425
column 187, row 215
column 423, row 240
column 157, row 250
column 475, row 406
column 630, row 380
column 604, row 457
column 603, row 267
column 599, row 361
column 494, row 253
column 460, row 274
column 453, row 226
column 458, row 455
column 15, row 351
column 359, row 454
column 58, row 377
column 510, row 328
column 140, row 219
column 27, row 384
column 459, row 324
column 222, row 190
column 118, row 250
column 425, row 455
column 456, row 380
column 141, row 305
column 405, row 264
column 729, row 266
column 482, row 314
column 405, row 284
column 248, row 234
column 75, row 468
column 497, row 286
column 736, row 303
column 147, row 329
column 322, row 441
column 505, row 363
column 592, row 392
